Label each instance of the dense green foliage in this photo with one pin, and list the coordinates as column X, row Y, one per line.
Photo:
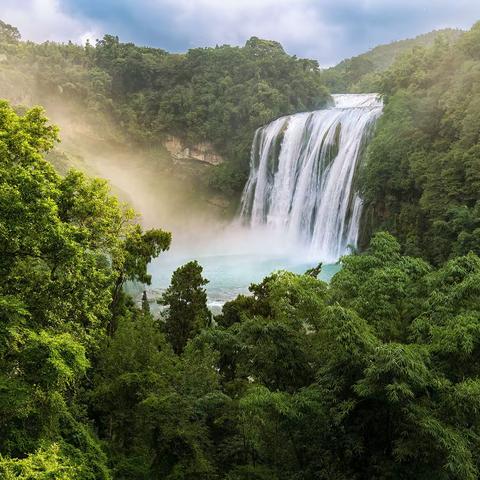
column 186, row 305
column 372, row 376
column 421, row 179
column 359, row 74
column 217, row 95
column 66, row 248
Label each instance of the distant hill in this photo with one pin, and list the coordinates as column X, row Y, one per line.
column 358, row 73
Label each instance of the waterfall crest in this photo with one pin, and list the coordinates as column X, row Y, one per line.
column 302, row 173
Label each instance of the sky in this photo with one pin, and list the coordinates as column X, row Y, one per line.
column 325, row 30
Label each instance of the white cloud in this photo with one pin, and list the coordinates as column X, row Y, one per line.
column 41, row 20
column 298, row 24
column 324, row 29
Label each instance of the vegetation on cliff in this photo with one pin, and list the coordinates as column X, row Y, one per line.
column 219, row 95
column 422, row 171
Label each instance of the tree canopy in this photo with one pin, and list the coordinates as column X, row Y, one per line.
column 142, row 96
column 186, row 305
column 421, row 174
column 66, row 246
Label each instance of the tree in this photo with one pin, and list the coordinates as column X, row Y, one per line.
column 186, row 305
column 420, row 176
column 132, row 258
column 149, row 403
column 64, row 241
column 8, row 33
column 145, row 303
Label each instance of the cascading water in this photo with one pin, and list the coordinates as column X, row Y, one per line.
column 300, row 203
column 302, row 172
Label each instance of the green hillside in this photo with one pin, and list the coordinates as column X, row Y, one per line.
column 139, row 96
column 357, row 74
column 421, row 175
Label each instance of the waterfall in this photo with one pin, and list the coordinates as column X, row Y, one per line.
column 301, row 186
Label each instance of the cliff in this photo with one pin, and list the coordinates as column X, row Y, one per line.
column 203, row 152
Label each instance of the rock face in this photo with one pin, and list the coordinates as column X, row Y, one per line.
column 202, row 152
column 219, row 201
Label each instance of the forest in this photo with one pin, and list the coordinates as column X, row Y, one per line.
column 422, row 172
column 138, row 95
column 374, row 375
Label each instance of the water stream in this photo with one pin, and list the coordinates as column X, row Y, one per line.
column 302, row 176
column 299, row 207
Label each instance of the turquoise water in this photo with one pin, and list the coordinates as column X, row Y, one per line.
column 228, row 275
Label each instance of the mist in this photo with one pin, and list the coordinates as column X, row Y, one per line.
column 167, row 194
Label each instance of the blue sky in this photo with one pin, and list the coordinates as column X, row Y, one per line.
column 327, row 30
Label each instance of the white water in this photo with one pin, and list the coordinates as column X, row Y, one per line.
column 299, row 206
column 302, row 172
